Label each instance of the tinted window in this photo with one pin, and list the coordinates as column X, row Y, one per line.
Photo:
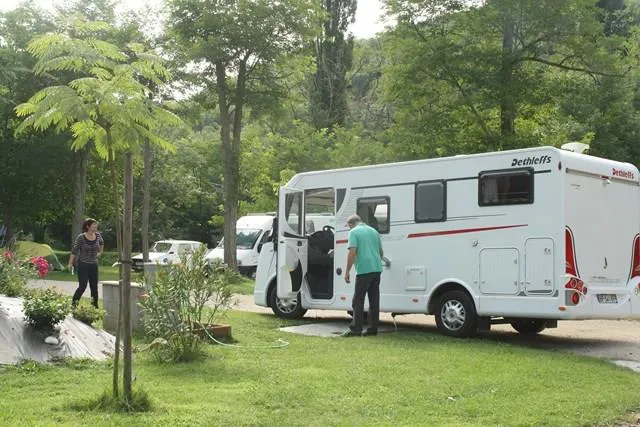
column 505, row 188
column 375, row 213
column 430, row 201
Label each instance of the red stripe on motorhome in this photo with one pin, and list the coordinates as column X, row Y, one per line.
column 449, row 232
column 463, row 230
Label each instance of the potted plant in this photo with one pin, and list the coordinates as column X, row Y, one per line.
column 183, row 304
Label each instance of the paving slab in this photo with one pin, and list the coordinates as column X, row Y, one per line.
column 331, row 329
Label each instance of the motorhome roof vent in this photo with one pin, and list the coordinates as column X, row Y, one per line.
column 576, row 147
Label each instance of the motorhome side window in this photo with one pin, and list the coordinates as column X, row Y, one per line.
column 293, row 209
column 319, row 208
column 514, row 187
column 431, row 201
column 375, row 213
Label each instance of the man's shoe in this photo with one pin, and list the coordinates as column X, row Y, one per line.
column 369, row 333
column 350, row 333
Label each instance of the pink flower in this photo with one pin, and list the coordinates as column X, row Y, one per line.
column 8, row 255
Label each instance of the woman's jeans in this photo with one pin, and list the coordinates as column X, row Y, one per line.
column 87, row 273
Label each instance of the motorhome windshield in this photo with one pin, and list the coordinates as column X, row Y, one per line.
column 161, row 247
column 245, row 238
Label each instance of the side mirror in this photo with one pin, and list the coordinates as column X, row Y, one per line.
column 260, row 247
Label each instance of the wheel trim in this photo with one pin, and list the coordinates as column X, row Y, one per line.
column 453, row 315
column 287, row 305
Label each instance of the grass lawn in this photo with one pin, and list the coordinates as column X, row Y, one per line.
column 105, row 273
column 405, row 378
column 242, row 285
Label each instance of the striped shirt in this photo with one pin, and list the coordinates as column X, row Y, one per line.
column 85, row 250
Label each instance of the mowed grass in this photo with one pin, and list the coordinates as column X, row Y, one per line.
column 241, row 285
column 404, row 378
column 104, row 273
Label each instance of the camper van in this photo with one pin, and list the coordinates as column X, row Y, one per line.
column 251, row 232
column 525, row 237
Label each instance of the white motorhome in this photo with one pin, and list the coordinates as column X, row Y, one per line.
column 525, row 237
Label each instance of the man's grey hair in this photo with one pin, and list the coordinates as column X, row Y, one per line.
column 354, row 220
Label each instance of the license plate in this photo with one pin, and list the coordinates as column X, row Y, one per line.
column 607, row 298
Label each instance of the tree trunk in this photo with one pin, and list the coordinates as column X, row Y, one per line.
column 7, row 219
column 79, row 191
column 229, row 170
column 507, row 104
column 116, row 203
column 146, row 200
column 126, row 273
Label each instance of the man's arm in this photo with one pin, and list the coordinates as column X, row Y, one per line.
column 351, row 258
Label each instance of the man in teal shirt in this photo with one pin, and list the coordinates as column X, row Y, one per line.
column 365, row 251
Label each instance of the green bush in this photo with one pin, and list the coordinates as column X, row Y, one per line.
column 87, row 313
column 45, row 308
column 174, row 306
column 15, row 271
column 108, row 258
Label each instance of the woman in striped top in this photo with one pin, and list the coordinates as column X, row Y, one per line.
column 86, row 250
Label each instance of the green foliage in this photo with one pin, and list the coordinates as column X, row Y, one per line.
column 174, row 308
column 458, row 77
column 87, row 313
column 14, row 273
column 44, row 309
column 110, row 105
column 334, row 54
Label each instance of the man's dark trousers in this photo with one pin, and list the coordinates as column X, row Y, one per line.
column 366, row 284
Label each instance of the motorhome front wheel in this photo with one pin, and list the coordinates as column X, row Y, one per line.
column 456, row 315
column 289, row 308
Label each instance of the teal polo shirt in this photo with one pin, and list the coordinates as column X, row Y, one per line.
column 366, row 241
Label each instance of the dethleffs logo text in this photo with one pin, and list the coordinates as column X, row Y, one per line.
column 621, row 173
column 529, row 161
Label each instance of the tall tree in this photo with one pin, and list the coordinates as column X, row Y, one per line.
column 25, row 152
column 235, row 44
column 493, row 70
column 334, row 56
column 109, row 107
column 89, row 10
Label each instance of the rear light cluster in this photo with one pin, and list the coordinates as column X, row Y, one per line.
column 635, row 258
column 574, row 288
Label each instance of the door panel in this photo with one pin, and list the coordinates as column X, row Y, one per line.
column 292, row 246
column 499, row 268
column 539, row 276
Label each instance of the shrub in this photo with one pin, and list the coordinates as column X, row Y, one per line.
column 14, row 272
column 44, row 309
column 87, row 313
column 174, row 306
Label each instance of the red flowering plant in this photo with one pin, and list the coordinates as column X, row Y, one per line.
column 14, row 273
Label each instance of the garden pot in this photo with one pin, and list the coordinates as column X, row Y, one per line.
column 214, row 330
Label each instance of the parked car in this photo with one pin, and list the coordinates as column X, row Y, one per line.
column 166, row 252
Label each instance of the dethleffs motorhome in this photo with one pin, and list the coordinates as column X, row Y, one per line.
column 526, row 237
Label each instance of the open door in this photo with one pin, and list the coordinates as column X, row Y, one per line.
column 292, row 245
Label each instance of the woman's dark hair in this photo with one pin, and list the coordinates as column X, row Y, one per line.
column 88, row 223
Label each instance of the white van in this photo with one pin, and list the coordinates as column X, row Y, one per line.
column 525, row 237
column 165, row 252
column 252, row 231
